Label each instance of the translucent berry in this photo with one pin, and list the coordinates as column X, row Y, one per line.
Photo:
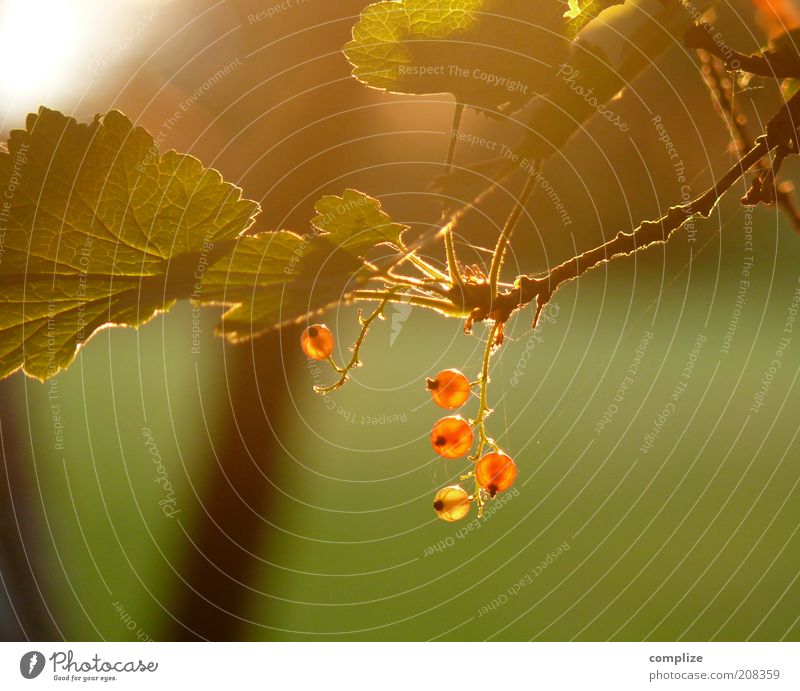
column 495, row 472
column 450, row 389
column 451, row 503
column 317, row 342
column 451, row 437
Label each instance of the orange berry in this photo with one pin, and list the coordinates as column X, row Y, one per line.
column 449, row 389
column 495, row 472
column 451, row 437
column 317, row 342
column 451, row 503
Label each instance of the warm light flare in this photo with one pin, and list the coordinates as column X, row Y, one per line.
column 40, row 43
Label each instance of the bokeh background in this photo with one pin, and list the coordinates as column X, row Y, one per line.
column 303, row 518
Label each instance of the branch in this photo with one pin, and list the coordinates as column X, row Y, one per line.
column 623, row 244
column 780, row 63
column 719, row 84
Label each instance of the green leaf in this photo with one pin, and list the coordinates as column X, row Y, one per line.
column 355, row 222
column 492, row 54
column 97, row 228
column 274, row 278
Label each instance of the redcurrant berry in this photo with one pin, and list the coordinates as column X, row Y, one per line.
column 451, row 503
column 449, row 389
column 495, row 472
column 317, row 342
column 451, row 437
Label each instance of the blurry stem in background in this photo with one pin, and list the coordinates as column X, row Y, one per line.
column 213, row 594
column 449, row 244
column 20, row 572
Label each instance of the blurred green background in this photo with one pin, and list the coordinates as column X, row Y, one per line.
column 298, row 517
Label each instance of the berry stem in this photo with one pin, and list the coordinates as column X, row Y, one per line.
column 483, row 408
column 430, row 285
column 425, row 267
column 344, row 372
column 508, row 229
column 479, row 424
column 444, row 306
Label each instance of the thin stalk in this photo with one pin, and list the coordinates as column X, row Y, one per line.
column 444, row 306
column 451, row 149
column 508, row 230
column 449, row 245
column 483, row 407
column 426, row 268
column 344, row 372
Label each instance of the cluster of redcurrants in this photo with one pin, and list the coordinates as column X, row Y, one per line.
column 451, row 437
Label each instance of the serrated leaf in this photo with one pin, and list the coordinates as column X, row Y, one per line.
column 98, row 228
column 279, row 277
column 355, row 221
column 492, row 54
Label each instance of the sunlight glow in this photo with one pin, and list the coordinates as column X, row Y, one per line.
column 40, row 42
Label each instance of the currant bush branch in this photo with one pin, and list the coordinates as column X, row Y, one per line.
column 781, row 132
column 720, row 87
column 779, row 64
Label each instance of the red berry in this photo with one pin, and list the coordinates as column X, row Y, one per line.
column 451, row 437
column 317, row 342
column 451, row 503
column 449, row 389
column 495, row 472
